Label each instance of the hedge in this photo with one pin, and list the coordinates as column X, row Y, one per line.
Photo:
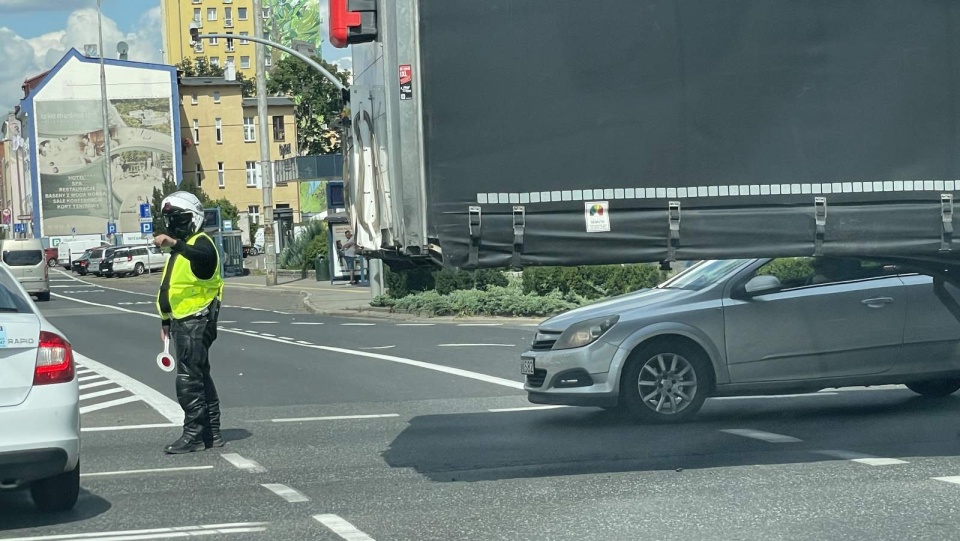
column 591, row 282
column 494, row 301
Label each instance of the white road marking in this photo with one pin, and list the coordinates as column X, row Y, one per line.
column 84, row 291
column 771, row 396
column 153, row 470
column 769, row 437
column 264, row 322
column 528, row 408
column 95, row 383
column 955, row 479
column 306, row 323
column 105, row 392
column 268, row 335
column 282, row 313
column 416, row 324
column 61, row 286
column 370, row 355
column 225, row 322
column 125, row 427
column 475, row 345
column 303, row 343
column 287, row 338
column 88, row 378
column 110, row 404
column 165, row 406
column 335, row 418
column 342, row 528
column 243, row 463
column 252, row 332
column 861, row 458
column 155, row 533
column 286, row 493
column 480, row 325
column 357, row 324
column 378, row 347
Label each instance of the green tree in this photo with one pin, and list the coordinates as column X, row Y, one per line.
column 318, row 102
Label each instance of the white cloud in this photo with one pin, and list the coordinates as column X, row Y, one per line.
column 24, row 58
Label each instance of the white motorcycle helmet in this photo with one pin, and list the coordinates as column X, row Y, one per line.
column 182, row 214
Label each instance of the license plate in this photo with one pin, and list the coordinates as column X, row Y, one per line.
column 526, row 366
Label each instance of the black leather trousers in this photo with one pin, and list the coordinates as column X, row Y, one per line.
column 196, row 392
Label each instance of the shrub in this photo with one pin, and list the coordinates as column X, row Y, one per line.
column 448, row 281
column 293, row 254
column 495, row 301
column 787, row 269
column 591, row 282
column 403, row 282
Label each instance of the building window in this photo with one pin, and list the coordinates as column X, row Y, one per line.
column 230, row 43
column 228, row 16
column 266, row 12
column 249, row 133
column 254, row 212
column 197, row 17
column 199, row 176
column 215, row 61
column 214, row 41
column 231, row 60
column 244, row 41
column 194, row 99
column 268, row 61
column 244, row 62
column 279, row 131
column 219, row 123
column 198, row 47
column 251, row 174
column 216, row 93
column 242, row 13
column 196, row 132
column 221, row 176
column 211, row 14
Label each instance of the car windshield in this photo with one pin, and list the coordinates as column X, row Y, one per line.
column 702, row 274
column 23, row 258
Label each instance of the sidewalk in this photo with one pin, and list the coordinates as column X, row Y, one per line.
column 344, row 300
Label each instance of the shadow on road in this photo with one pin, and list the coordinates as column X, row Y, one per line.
column 17, row 511
column 572, row 441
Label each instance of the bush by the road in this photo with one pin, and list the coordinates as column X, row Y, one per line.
column 591, row 282
column 509, row 300
column 407, row 282
column 299, row 253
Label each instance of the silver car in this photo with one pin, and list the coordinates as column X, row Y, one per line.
column 750, row 327
column 39, row 403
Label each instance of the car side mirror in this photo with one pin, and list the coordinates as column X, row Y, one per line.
column 760, row 285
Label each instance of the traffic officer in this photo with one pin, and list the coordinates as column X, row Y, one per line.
column 189, row 303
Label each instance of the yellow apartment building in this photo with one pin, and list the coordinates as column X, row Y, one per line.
column 214, row 17
column 221, row 143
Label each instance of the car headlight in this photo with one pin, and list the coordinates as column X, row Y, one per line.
column 585, row 333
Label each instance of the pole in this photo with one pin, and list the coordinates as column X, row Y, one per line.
column 107, row 169
column 269, row 237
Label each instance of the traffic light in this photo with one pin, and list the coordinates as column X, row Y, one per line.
column 352, row 21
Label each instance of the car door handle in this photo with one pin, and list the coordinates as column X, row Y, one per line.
column 878, row 302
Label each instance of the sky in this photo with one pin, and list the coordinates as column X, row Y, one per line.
column 35, row 34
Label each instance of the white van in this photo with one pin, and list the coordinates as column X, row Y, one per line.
column 26, row 261
column 70, row 251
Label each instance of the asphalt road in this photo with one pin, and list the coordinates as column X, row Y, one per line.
column 360, row 429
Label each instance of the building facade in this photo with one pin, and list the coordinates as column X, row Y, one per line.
column 221, row 144
column 289, row 22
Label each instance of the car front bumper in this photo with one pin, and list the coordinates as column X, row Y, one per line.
column 41, row 436
column 587, row 376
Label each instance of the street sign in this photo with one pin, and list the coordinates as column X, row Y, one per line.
column 25, row 217
column 111, row 228
column 146, row 228
column 228, row 225
column 18, row 228
column 145, row 211
column 6, row 212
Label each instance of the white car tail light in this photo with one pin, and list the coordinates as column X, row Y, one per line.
column 54, row 360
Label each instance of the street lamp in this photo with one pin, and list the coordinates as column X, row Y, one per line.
column 269, row 247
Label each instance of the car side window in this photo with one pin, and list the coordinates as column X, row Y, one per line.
column 811, row 271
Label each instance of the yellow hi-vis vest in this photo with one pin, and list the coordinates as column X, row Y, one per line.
column 188, row 294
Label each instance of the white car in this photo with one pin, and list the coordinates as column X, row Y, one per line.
column 39, row 403
column 137, row 260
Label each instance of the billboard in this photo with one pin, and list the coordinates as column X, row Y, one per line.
column 70, row 144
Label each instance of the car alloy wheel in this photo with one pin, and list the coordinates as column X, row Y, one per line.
column 666, row 381
column 138, row 269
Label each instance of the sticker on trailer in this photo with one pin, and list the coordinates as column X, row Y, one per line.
column 597, row 216
column 3, row 337
column 406, row 82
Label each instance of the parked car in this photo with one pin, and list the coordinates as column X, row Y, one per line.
column 39, row 403
column 80, row 265
column 137, row 260
column 70, row 251
column 26, row 261
column 98, row 256
column 51, row 254
column 749, row 327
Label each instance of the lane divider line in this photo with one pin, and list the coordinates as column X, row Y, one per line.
column 341, row 527
column 476, row 345
column 152, row 470
column 243, row 463
column 379, row 356
column 156, row 533
column 768, row 437
column 335, row 418
column 285, row 492
column 861, row 458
